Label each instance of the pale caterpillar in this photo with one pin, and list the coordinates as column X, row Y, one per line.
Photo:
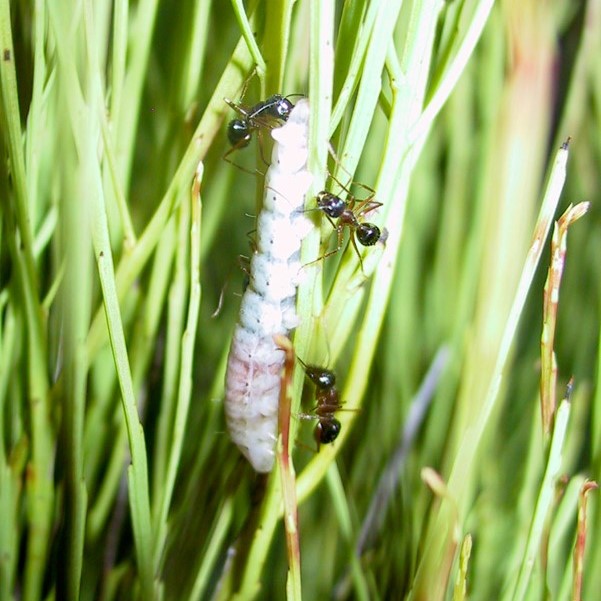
column 252, row 381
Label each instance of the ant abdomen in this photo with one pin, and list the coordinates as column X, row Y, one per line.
column 368, row 234
column 238, row 133
column 327, row 430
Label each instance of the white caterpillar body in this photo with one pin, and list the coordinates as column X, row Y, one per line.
column 252, row 382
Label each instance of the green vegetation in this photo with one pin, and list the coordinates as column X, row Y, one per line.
column 460, row 471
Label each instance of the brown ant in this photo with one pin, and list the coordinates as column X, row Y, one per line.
column 328, row 401
column 349, row 214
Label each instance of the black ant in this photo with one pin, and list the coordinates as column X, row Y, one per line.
column 349, row 213
column 328, row 401
column 264, row 114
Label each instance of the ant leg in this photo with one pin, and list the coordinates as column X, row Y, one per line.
column 306, row 416
column 337, row 160
column 362, row 207
column 236, row 107
column 333, row 153
column 369, row 189
column 330, row 220
column 260, row 136
column 342, row 186
column 323, row 213
column 357, row 251
column 228, row 160
column 252, row 240
column 351, row 182
column 247, row 82
column 244, row 265
column 339, row 229
column 359, row 207
column 301, row 444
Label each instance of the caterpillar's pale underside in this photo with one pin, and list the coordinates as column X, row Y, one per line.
column 252, row 384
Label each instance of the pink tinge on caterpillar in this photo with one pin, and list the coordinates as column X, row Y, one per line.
column 252, row 384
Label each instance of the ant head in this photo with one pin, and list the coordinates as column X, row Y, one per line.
column 283, row 107
column 238, row 133
column 327, row 430
column 276, row 106
column 368, row 234
column 322, row 378
column 333, row 206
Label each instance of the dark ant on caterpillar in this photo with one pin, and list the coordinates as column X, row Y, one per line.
column 263, row 115
column 328, row 402
column 349, row 214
